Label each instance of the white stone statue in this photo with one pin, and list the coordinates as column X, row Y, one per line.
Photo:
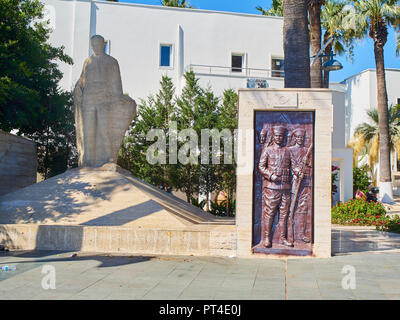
column 102, row 112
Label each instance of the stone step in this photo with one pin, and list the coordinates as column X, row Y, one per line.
column 211, row 241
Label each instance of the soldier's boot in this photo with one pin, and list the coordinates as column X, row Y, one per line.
column 282, row 237
column 302, row 232
column 268, row 224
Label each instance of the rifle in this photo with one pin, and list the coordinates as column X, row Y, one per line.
column 296, row 189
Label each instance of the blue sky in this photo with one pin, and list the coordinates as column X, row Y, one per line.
column 363, row 51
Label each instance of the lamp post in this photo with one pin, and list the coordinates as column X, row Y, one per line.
column 330, row 65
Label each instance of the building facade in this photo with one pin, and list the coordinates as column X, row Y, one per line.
column 361, row 96
column 225, row 50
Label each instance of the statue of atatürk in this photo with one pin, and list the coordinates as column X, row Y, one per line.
column 275, row 167
column 102, row 112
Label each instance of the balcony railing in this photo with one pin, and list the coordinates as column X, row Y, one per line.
column 235, row 72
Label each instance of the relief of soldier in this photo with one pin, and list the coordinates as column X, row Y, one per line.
column 287, row 172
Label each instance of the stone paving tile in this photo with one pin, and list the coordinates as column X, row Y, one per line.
column 303, row 294
column 103, row 277
column 237, row 294
column 52, row 295
column 126, row 294
column 337, row 294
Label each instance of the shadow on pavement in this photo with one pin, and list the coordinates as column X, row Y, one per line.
column 358, row 240
column 65, row 256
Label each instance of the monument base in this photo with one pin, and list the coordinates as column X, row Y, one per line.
column 108, row 210
column 282, row 131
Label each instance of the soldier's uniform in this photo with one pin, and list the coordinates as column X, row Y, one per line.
column 297, row 156
column 275, row 160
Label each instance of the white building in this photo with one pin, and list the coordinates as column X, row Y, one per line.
column 152, row 41
column 224, row 49
column 361, row 96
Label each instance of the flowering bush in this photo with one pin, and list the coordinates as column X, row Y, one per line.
column 360, row 179
column 359, row 212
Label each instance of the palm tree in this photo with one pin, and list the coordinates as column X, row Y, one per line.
column 296, row 40
column 373, row 17
column 335, row 21
column 366, row 136
column 275, row 10
column 296, row 44
column 314, row 9
column 175, row 3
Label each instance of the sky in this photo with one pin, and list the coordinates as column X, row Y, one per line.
column 363, row 49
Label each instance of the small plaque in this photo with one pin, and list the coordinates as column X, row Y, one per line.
column 284, row 100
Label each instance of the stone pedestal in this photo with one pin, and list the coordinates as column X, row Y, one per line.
column 317, row 102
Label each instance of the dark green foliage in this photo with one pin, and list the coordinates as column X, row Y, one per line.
column 360, row 179
column 175, row 3
column 275, row 10
column 56, row 141
column 197, row 203
column 29, row 74
column 31, row 102
column 196, row 109
column 221, row 208
column 335, row 178
column 155, row 113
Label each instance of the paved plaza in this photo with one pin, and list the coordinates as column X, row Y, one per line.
column 374, row 256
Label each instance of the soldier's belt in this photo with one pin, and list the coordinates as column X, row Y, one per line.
column 282, row 172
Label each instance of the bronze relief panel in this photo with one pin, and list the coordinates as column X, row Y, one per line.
column 283, row 182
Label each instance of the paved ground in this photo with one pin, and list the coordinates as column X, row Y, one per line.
column 87, row 276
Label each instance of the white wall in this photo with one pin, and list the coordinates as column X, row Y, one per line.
column 338, row 134
column 136, row 31
column 361, row 95
column 343, row 157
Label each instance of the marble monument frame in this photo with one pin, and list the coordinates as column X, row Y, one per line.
column 319, row 101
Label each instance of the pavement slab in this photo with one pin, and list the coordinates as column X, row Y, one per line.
column 94, row 276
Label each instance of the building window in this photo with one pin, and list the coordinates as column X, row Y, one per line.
column 107, row 47
column 278, row 67
column 398, row 100
column 237, row 62
column 165, row 55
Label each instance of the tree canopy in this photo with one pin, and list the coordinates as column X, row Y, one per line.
column 175, row 118
column 31, row 102
column 29, row 73
column 176, row 3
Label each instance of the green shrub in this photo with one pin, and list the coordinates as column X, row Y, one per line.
column 359, row 212
column 221, row 209
column 335, row 178
column 360, row 179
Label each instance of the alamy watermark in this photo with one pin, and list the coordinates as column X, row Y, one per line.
column 187, row 146
column 349, row 280
column 49, row 280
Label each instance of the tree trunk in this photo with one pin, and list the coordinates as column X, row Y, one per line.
column 296, row 44
column 315, row 39
column 379, row 34
column 328, row 50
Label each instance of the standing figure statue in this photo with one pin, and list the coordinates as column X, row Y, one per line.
column 102, row 112
column 302, row 182
column 274, row 166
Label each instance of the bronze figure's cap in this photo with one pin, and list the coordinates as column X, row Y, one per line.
column 299, row 130
column 279, row 129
